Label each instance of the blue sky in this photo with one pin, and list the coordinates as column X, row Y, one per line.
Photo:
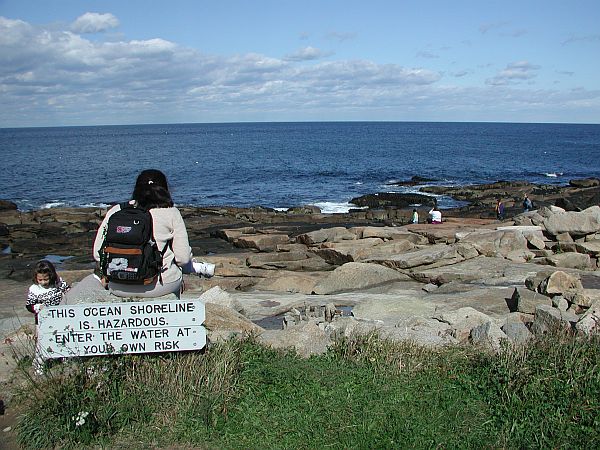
column 80, row 62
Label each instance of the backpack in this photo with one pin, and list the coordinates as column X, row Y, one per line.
column 129, row 253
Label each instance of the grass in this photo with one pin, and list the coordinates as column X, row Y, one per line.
column 364, row 393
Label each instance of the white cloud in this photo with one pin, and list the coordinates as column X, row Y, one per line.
column 59, row 72
column 54, row 77
column 307, row 54
column 94, row 23
column 514, row 73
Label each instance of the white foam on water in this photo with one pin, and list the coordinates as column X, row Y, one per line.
column 336, row 208
column 553, row 174
column 281, row 209
column 95, row 205
column 52, row 205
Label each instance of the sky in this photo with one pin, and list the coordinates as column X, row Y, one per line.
column 88, row 62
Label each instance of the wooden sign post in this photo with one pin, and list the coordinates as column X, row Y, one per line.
column 120, row 328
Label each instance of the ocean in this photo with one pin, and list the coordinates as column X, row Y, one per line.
column 280, row 165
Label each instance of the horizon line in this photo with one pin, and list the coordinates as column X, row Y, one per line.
column 249, row 122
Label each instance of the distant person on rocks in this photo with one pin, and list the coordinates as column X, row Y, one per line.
column 415, row 217
column 47, row 288
column 499, row 209
column 151, row 192
column 435, row 215
column 527, row 204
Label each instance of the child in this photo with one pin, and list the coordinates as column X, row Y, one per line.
column 47, row 288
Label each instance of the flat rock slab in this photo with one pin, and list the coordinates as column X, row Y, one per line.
column 425, row 256
column 483, row 270
column 490, row 300
column 391, row 309
column 400, row 308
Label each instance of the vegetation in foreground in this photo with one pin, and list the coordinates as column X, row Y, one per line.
column 365, row 393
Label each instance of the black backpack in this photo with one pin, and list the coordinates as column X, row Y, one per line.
column 129, row 253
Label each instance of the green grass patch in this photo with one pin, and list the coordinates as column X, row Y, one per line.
column 365, row 393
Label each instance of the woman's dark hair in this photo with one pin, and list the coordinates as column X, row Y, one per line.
column 45, row 267
column 152, row 190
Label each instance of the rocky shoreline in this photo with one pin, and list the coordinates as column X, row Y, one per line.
column 471, row 279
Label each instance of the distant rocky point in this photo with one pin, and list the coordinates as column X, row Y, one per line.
column 390, row 199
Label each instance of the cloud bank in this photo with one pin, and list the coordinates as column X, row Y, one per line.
column 59, row 77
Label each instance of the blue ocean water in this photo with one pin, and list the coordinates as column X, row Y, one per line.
column 281, row 165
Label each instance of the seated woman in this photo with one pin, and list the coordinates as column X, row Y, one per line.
column 151, row 192
column 435, row 215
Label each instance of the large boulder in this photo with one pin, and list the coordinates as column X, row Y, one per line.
column 533, row 233
column 355, row 276
column 463, row 321
column 525, row 301
column 495, row 242
column 559, row 282
column 574, row 223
